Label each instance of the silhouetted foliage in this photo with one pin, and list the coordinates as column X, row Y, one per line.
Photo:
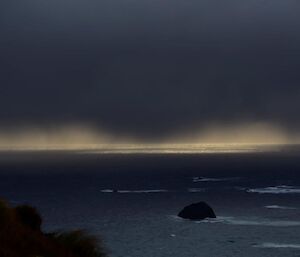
column 80, row 243
column 20, row 236
column 29, row 217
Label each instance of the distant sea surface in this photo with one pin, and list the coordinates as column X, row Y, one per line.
column 132, row 199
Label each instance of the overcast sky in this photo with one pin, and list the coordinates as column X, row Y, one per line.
column 149, row 68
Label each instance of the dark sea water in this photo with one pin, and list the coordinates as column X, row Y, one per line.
column 132, row 200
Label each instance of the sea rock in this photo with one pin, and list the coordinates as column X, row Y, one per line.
column 197, row 211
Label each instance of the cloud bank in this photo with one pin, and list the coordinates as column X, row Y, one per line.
column 79, row 137
column 150, row 69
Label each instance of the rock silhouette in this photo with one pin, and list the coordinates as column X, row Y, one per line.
column 197, row 211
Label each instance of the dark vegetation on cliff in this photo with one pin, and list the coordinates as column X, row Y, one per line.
column 21, row 235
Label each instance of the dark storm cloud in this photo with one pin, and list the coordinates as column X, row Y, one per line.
column 148, row 68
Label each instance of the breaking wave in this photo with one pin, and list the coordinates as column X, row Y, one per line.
column 275, row 245
column 279, row 207
column 251, row 222
column 134, row 191
column 204, row 179
column 196, row 190
column 283, row 189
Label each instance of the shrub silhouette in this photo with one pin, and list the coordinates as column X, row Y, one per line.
column 80, row 243
column 29, row 216
column 21, row 236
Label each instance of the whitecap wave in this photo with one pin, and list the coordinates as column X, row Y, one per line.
column 196, row 190
column 205, row 179
column 134, row 191
column 176, row 218
column 107, row 191
column 283, row 189
column 279, row 207
column 250, row 222
column 143, row 191
column 275, row 245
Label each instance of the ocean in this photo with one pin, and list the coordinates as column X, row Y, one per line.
column 131, row 200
